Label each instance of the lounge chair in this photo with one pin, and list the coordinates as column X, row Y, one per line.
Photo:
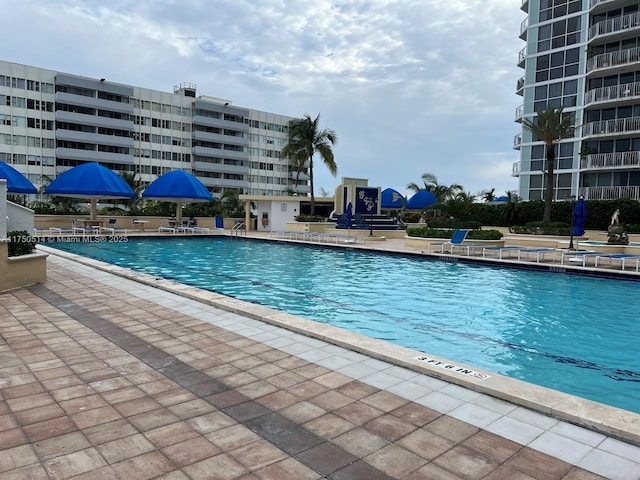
column 111, row 228
column 579, row 256
column 166, row 228
column 185, row 228
column 623, row 257
column 457, row 239
column 501, row 250
column 198, row 229
column 78, row 230
column 539, row 253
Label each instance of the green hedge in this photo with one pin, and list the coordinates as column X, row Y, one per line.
column 543, row 228
column 428, row 232
column 20, row 243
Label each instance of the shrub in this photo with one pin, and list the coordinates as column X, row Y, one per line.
column 542, row 228
column 453, row 224
column 309, row 218
column 20, row 243
column 428, row 232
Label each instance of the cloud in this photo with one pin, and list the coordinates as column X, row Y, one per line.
column 409, row 86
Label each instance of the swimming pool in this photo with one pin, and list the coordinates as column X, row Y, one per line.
column 567, row 332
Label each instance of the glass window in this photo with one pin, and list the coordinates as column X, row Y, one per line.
column 535, row 181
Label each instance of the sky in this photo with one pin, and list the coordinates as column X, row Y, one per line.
column 409, row 86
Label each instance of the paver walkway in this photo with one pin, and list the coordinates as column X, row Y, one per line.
column 105, row 378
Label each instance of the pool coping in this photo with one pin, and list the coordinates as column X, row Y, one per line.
column 611, row 421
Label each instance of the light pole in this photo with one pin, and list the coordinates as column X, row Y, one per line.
column 572, row 199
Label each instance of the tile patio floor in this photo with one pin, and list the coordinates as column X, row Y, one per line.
column 102, row 377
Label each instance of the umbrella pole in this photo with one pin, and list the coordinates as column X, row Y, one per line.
column 94, row 209
column 179, row 213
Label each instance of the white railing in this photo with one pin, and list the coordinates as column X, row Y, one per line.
column 522, row 55
column 613, row 59
column 515, row 169
column 610, row 193
column 607, row 127
column 238, row 228
column 616, row 92
column 610, row 160
column 524, row 25
column 517, row 140
column 519, row 112
column 614, row 25
column 520, row 84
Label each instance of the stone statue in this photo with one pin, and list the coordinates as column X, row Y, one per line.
column 616, row 232
column 615, row 217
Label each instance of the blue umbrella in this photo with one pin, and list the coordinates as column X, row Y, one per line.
column 578, row 219
column 177, row 186
column 422, row 199
column 91, row 181
column 349, row 215
column 16, row 182
column 392, row 199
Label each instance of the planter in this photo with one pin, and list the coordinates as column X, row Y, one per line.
column 22, row 270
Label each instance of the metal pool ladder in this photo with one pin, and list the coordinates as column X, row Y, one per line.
column 237, row 228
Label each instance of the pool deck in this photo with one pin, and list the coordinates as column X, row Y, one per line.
column 110, row 374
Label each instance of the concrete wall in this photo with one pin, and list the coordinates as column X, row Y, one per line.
column 273, row 215
column 22, row 271
column 20, row 218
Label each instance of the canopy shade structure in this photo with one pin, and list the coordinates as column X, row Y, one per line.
column 16, row 182
column 91, row 181
column 392, row 199
column 421, row 199
column 179, row 187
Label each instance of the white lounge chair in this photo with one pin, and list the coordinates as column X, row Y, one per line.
column 111, row 228
column 579, row 256
column 457, row 239
column 539, row 253
column 622, row 257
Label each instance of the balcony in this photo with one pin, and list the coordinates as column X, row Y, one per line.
column 522, row 56
column 620, row 126
column 617, row 60
column 517, row 141
column 618, row 160
column 613, row 26
column 524, row 26
column 618, row 93
column 520, row 86
column 519, row 113
column 524, row 6
column 515, row 169
column 610, row 193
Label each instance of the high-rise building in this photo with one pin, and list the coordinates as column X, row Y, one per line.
column 52, row 121
column 583, row 55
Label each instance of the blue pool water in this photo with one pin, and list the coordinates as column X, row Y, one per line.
column 572, row 333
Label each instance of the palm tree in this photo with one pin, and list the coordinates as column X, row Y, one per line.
column 305, row 140
column 137, row 185
column 441, row 192
column 297, row 163
column 489, row 195
column 550, row 127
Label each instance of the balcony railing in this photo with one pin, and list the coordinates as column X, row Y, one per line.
column 517, row 141
column 614, row 25
column 610, row 193
column 523, row 28
column 520, row 84
column 610, row 160
column 614, row 59
column 522, row 55
column 519, row 113
column 608, row 127
column 524, row 5
column 515, row 169
column 616, row 92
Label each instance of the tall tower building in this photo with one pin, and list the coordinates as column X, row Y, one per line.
column 583, row 55
column 52, row 121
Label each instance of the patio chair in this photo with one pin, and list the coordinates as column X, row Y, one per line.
column 539, row 253
column 193, row 223
column 457, row 239
column 579, row 256
column 165, row 227
column 111, row 228
column 185, row 228
column 623, row 257
column 508, row 248
column 78, row 230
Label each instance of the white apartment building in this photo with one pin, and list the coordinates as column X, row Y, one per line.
column 583, row 55
column 52, row 121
